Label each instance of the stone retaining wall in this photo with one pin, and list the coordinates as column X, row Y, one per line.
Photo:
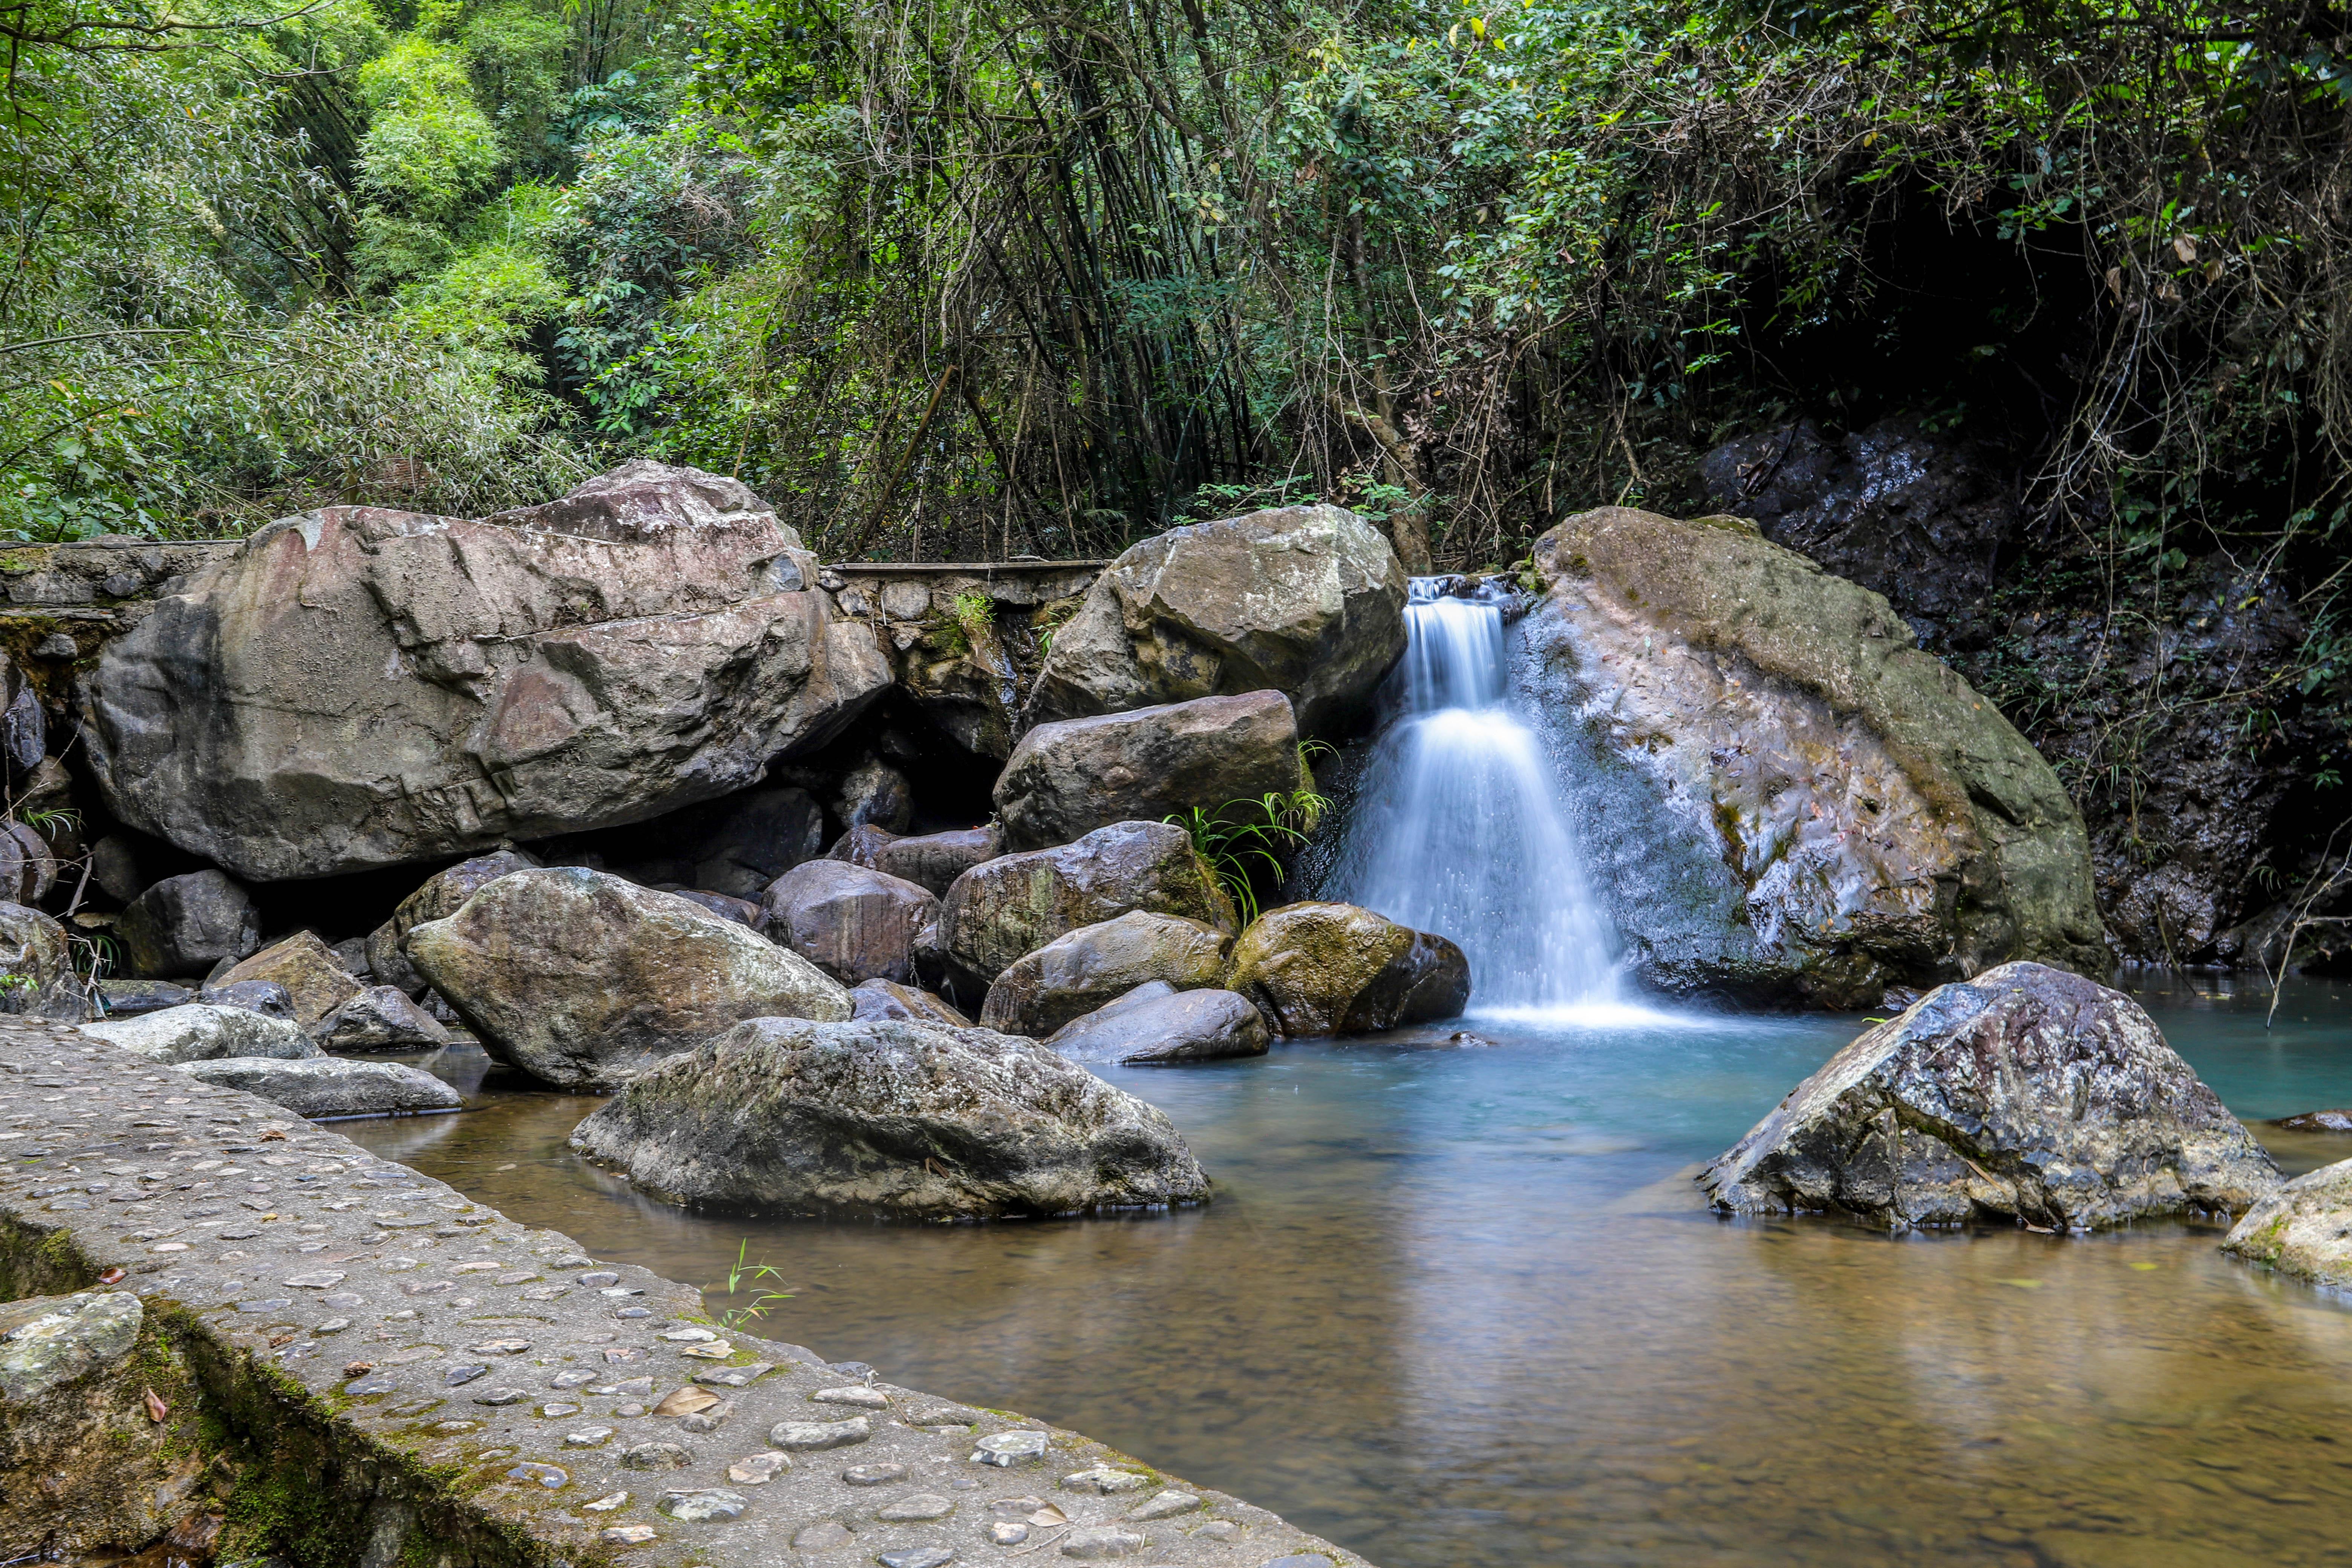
column 367, row 1370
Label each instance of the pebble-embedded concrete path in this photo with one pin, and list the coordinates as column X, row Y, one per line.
column 585, row 1412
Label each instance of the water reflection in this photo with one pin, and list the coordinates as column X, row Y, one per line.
column 1460, row 1306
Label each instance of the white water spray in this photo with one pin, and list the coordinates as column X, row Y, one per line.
column 1459, row 828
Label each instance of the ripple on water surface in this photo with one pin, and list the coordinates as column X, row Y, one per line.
column 1457, row 1306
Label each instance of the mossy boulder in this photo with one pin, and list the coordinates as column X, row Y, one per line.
column 1338, row 969
column 1083, row 970
column 2302, row 1229
column 1790, row 800
column 1015, row 904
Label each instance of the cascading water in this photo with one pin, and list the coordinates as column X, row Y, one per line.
column 1459, row 827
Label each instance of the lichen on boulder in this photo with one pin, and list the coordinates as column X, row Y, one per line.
column 1339, row 969
column 2303, row 1230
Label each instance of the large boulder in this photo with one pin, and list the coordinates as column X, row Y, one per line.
column 1306, row 600
column 201, row 1031
column 381, row 1018
column 2305, row 1227
column 2028, row 1091
column 328, row 1087
column 38, row 964
column 356, row 687
column 1015, row 904
column 1155, row 1025
column 1338, row 969
column 437, row 898
column 883, row 1000
column 854, row 923
column 1080, row 971
column 1069, row 778
column 315, row 980
column 933, row 860
column 890, row 1120
column 582, row 978
column 186, row 925
column 1787, row 799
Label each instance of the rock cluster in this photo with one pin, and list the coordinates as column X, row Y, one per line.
column 2027, row 1092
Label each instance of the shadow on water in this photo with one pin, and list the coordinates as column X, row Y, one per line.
column 1459, row 1306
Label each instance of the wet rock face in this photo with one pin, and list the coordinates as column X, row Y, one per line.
column 1337, row 969
column 203, row 1031
column 2028, row 1091
column 1066, row 779
column 1793, row 802
column 854, row 923
column 1015, row 904
column 1080, row 971
column 1156, row 1026
column 2304, row 1228
column 185, row 925
column 582, row 978
column 323, row 1086
column 357, row 686
column 1308, row 601
column 890, row 1120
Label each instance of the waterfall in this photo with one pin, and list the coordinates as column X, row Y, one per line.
column 1459, row 827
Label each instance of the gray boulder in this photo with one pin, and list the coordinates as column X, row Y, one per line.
column 48, row 1341
column 744, row 912
column 202, row 1031
column 582, row 978
column 1338, row 969
column 328, row 1087
column 1015, row 904
column 381, row 1018
column 1066, row 779
column 185, row 925
column 884, row 1000
column 2302, row 1229
column 357, row 686
column 265, row 997
column 2028, row 1091
column 1080, row 971
column 130, row 998
column 890, row 1120
column 1308, row 601
column 931, row 861
column 854, row 923
column 1156, row 1024
column 437, row 898
column 1790, row 801
column 874, row 794
column 315, row 980
column 38, row 967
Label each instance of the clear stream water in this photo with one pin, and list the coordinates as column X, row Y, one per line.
column 1460, row 1307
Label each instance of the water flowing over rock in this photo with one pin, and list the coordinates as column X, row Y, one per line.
column 316, row 982
column 582, row 978
column 356, row 687
column 185, row 925
column 1788, row 799
column 1080, row 971
column 1458, row 826
column 2028, row 1091
column 1015, row 904
column 2303, row 1230
column 1335, row 969
column 324, row 1087
column 1069, row 778
column 888, row 1120
column 854, row 923
column 202, row 1031
column 1307, row 600
column 1155, row 1025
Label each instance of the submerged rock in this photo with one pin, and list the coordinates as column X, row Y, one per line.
column 185, row 925
column 2317, row 1122
column 877, row 1000
column 892, row 1121
column 1303, row 600
column 1156, row 1024
column 1337, row 969
column 323, row 1086
column 2304, row 1228
column 1789, row 799
column 1081, row 971
column 1069, row 778
column 202, row 1031
column 582, row 978
column 358, row 686
column 2027, row 1091
column 854, row 923
column 381, row 1018
column 1015, row 904
column 315, row 980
